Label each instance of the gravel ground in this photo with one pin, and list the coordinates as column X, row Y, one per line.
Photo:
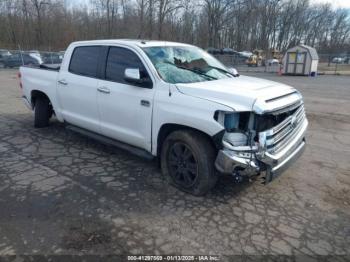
column 62, row 193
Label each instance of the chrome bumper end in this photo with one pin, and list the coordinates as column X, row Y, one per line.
column 273, row 172
column 228, row 161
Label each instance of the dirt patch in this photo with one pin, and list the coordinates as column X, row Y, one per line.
column 86, row 236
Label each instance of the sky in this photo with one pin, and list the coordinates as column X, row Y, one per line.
column 335, row 3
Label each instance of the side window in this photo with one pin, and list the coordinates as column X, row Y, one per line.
column 118, row 60
column 84, row 61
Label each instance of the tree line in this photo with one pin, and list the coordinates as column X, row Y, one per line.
column 238, row 24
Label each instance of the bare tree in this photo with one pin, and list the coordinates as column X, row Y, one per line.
column 166, row 7
column 239, row 24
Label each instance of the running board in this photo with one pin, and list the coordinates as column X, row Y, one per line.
column 108, row 141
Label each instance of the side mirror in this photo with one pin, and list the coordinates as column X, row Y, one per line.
column 233, row 71
column 133, row 76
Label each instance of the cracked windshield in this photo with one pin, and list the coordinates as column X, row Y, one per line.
column 185, row 64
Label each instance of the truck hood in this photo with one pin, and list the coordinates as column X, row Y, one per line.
column 244, row 93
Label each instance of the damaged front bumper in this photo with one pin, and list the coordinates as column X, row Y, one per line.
column 239, row 159
column 253, row 160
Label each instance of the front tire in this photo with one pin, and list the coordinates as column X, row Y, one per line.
column 187, row 162
column 42, row 111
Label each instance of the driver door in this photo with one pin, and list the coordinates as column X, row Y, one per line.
column 125, row 109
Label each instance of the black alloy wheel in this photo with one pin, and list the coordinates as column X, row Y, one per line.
column 183, row 166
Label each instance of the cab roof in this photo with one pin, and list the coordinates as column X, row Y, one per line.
column 132, row 42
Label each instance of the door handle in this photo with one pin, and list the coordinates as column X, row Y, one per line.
column 103, row 89
column 145, row 103
column 63, row 82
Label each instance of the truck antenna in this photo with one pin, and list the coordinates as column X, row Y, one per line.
column 20, row 52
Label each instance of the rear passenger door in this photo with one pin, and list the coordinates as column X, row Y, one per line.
column 77, row 88
column 125, row 109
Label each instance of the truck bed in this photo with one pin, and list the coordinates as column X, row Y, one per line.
column 51, row 67
column 39, row 79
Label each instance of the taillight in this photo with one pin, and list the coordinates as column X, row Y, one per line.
column 20, row 80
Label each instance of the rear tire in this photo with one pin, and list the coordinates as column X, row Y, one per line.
column 187, row 162
column 42, row 111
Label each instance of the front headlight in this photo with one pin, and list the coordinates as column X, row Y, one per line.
column 233, row 121
column 235, row 139
column 235, row 124
column 229, row 120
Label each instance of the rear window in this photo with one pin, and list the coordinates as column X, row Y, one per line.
column 84, row 61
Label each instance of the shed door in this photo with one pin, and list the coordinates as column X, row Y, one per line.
column 296, row 63
column 300, row 63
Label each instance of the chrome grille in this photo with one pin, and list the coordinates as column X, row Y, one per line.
column 279, row 136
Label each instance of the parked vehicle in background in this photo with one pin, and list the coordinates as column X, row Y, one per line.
column 19, row 59
column 61, row 54
column 338, row 60
column 246, row 54
column 3, row 55
column 347, row 60
column 240, row 59
column 228, row 51
column 272, row 61
column 257, row 59
column 254, row 60
column 35, row 54
column 214, row 51
column 175, row 102
column 4, row 52
column 51, row 58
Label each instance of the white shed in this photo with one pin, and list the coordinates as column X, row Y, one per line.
column 300, row 60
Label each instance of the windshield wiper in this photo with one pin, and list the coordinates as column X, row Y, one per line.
column 221, row 70
column 197, row 71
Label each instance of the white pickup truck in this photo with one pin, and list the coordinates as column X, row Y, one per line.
column 172, row 101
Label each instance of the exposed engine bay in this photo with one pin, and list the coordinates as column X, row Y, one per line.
column 253, row 142
column 239, row 126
